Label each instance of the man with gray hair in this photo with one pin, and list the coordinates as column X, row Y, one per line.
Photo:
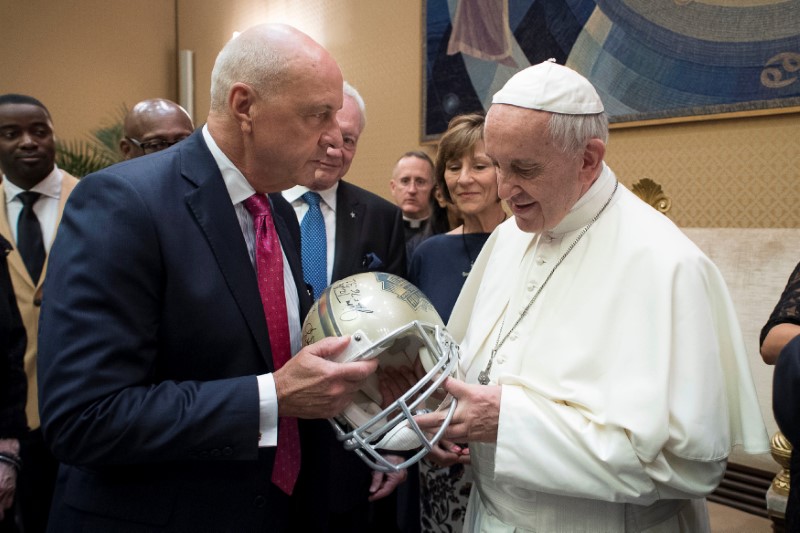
column 169, row 389
column 605, row 377
column 345, row 230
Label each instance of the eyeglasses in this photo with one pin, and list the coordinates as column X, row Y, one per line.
column 156, row 145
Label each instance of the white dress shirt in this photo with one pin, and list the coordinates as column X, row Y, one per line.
column 45, row 208
column 328, row 207
column 240, row 190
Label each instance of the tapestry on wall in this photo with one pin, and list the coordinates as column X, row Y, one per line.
column 649, row 59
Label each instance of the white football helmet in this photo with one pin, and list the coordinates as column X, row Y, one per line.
column 389, row 318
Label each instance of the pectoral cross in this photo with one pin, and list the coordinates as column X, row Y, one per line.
column 483, row 376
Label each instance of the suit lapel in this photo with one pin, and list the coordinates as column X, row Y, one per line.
column 211, row 207
column 349, row 224
column 290, row 248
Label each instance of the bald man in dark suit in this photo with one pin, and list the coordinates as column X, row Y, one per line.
column 169, row 301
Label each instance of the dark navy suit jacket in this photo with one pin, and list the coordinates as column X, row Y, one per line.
column 369, row 237
column 151, row 336
column 369, row 234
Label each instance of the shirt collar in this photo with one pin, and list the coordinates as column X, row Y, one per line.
column 239, row 189
column 50, row 186
column 328, row 195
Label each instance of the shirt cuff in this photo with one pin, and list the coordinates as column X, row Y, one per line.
column 267, row 411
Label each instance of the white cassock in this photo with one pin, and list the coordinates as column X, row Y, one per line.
column 623, row 388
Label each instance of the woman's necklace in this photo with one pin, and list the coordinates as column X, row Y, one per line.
column 467, row 250
column 483, row 376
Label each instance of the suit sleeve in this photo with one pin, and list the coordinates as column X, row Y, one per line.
column 100, row 356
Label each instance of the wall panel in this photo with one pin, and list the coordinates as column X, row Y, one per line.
column 85, row 59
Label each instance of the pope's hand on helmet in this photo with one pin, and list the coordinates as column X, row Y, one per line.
column 476, row 419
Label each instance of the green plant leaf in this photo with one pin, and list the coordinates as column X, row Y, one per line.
column 99, row 150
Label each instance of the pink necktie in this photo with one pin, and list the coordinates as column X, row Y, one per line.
column 269, row 263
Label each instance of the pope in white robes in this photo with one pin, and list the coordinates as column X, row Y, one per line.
column 616, row 374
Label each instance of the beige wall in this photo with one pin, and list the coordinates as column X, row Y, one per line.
column 377, row 45
column 742, row 172
column 86, row 58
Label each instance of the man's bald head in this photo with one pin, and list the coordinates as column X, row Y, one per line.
column 153, row 125
column 274, row 97
column 263, row 57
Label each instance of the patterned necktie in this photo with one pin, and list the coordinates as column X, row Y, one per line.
column 29, row 236
column 269, row 263
column 314, row 245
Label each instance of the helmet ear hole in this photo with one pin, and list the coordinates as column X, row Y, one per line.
column 389, row 318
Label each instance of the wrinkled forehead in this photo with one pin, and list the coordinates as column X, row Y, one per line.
column 508, row 125
column 14, row 114
column 413, row 167
column 167, row 122
column 504, row 115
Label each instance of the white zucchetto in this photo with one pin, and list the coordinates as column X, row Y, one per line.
column 550, row 87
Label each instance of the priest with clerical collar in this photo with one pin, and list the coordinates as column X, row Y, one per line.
column 605, row 376
column 411, row 187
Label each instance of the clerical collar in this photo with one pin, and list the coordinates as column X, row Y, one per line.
column 415, row 222
column 588, row 204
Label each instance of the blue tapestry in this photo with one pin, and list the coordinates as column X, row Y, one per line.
column 647, row 58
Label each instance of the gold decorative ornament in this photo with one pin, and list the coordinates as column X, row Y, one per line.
column 781, row 450
column 652, row 193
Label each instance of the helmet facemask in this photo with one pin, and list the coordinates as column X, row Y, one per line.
column 366, row 307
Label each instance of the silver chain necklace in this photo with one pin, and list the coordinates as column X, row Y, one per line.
column 483, row 376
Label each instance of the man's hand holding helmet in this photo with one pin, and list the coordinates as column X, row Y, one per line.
column 310, row 385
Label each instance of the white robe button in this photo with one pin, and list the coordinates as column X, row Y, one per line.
column 540, row 261
column 531, row 285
